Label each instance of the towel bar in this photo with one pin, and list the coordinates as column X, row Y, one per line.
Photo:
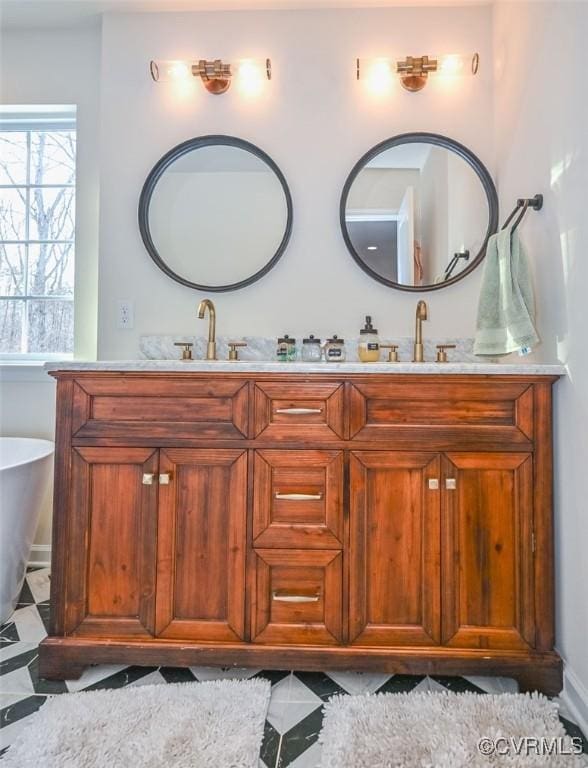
column 536, row 203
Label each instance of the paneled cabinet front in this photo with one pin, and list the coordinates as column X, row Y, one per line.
column 488, row 543
column 394, row 548
column 393, row 523
column 441, row 549
column 112, row 539
column 298, row 597
column 201, row 544
column 298, row 499
column 158, row 543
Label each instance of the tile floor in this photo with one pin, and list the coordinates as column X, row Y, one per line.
column 295, row 712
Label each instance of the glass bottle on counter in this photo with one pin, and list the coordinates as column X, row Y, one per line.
column 335, row 350
column 368, row 349
column 286, row 351
column 311, row 350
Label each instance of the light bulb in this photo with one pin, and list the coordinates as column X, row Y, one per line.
column 250, row 77
column 377, row 74
column 455, row 64
column 165, row 71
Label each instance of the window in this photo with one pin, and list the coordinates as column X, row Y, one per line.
column 37, row 230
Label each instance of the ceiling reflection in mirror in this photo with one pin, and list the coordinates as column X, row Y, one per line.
column 416, row 215
column 218, row 215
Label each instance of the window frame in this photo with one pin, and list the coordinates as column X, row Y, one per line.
column 28, row 120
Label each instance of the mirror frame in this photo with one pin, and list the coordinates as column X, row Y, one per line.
column 440, row 141
column 159, row 169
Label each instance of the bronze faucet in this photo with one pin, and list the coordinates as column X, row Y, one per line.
column 211, row 346
column 421, row 314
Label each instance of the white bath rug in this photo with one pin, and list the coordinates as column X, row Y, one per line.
column 217, row 724
column 445, row 730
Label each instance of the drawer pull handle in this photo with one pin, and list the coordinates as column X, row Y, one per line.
column 285, row 597
column 299, row 411
column 451, row 483
column 299, row 496
column 148, row 478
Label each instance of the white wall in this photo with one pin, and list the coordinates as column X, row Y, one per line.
column 315, row 120
column 56, row 67
column 541, row 114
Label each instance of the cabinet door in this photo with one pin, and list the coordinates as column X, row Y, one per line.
column 201, row 544
column 112, row 540
column 394, row 548
column 487, row 550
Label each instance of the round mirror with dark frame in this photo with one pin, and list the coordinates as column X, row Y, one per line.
column 215, row 213
column 417, row 211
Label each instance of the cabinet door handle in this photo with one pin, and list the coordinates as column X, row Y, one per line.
column 287, row 597
column 299, row 411
column 299, row 496
column 164, row 478
column 450, row 483
column 433, row 484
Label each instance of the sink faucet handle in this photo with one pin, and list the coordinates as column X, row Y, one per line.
column 233, row 351
column 393, row 353
column 187, row 349
column 441, row 353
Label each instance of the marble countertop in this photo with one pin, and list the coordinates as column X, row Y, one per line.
column 262, row 366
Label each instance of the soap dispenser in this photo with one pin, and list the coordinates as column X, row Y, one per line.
column 368, row 349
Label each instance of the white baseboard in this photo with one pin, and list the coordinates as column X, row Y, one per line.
column 575, row 697
column 40, row 556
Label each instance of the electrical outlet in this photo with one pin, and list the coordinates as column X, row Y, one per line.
column 125, row 315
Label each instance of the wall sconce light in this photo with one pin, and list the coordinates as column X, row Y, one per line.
column 215, row 75
column 414, row 71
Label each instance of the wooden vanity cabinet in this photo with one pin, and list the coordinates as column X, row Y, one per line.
column 388, row 522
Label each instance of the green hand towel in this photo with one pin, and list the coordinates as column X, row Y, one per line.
column 505, row 310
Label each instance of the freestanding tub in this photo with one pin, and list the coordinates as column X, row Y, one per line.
column 25, row 470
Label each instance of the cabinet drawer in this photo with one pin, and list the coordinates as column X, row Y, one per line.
column 298, row 499
column 298, row 597
column 416, row 415
column 152, row 408
column 299, row 411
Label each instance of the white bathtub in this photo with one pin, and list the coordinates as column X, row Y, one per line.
column 25, row 471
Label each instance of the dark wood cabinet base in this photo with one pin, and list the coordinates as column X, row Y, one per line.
column 65, row 658
column 391, row 523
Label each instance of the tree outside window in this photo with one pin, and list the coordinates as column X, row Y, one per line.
column 37, row 226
